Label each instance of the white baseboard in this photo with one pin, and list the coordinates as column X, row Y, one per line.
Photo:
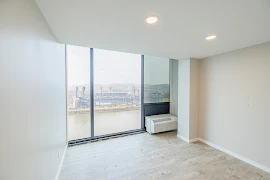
column 61, row 163
column 183, row 138
column 260, row 166
column 193, row 140
column 188, row 140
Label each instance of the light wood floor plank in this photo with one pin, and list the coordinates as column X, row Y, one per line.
column 161, row 156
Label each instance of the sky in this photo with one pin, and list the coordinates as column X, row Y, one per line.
column 114, row 67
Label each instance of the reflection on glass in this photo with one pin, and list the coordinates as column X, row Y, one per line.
column 117, row 79
column 78, row 68
column 156, row 79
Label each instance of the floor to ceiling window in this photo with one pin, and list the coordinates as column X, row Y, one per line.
column 78, row 67
column 156, row 79
column 105, row 91
column 117, row 91
column 116, row 95
column 156, row 85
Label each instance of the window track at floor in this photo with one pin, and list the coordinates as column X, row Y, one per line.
column 104, row 137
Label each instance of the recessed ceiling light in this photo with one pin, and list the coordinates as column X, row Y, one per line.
column 211, row 37
column 151, row 19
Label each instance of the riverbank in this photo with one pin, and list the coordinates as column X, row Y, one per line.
column 103, row 109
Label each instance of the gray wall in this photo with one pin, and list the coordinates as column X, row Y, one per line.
column 174, row 87
column 32, row 94
column 235, row 102
column 194, row 99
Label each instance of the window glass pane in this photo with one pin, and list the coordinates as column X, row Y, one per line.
column 156, row 79
column 78, row 69
column 117, row 91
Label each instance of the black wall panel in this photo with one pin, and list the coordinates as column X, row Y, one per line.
column 156, row 108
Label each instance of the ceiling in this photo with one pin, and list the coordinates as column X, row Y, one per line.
column 180, row 32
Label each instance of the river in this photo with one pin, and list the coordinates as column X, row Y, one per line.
column 105, row 123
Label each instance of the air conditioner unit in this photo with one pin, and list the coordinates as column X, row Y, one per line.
column 160, row 123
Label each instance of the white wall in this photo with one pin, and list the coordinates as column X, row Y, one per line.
column 235, row 102
column 32, row 94
column 183, row 98
column 188, row 99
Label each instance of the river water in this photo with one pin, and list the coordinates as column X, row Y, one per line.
column 104, row 123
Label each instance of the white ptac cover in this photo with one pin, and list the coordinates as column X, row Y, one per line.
column 160, row 123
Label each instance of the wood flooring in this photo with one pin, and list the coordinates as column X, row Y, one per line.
column 161, row 156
